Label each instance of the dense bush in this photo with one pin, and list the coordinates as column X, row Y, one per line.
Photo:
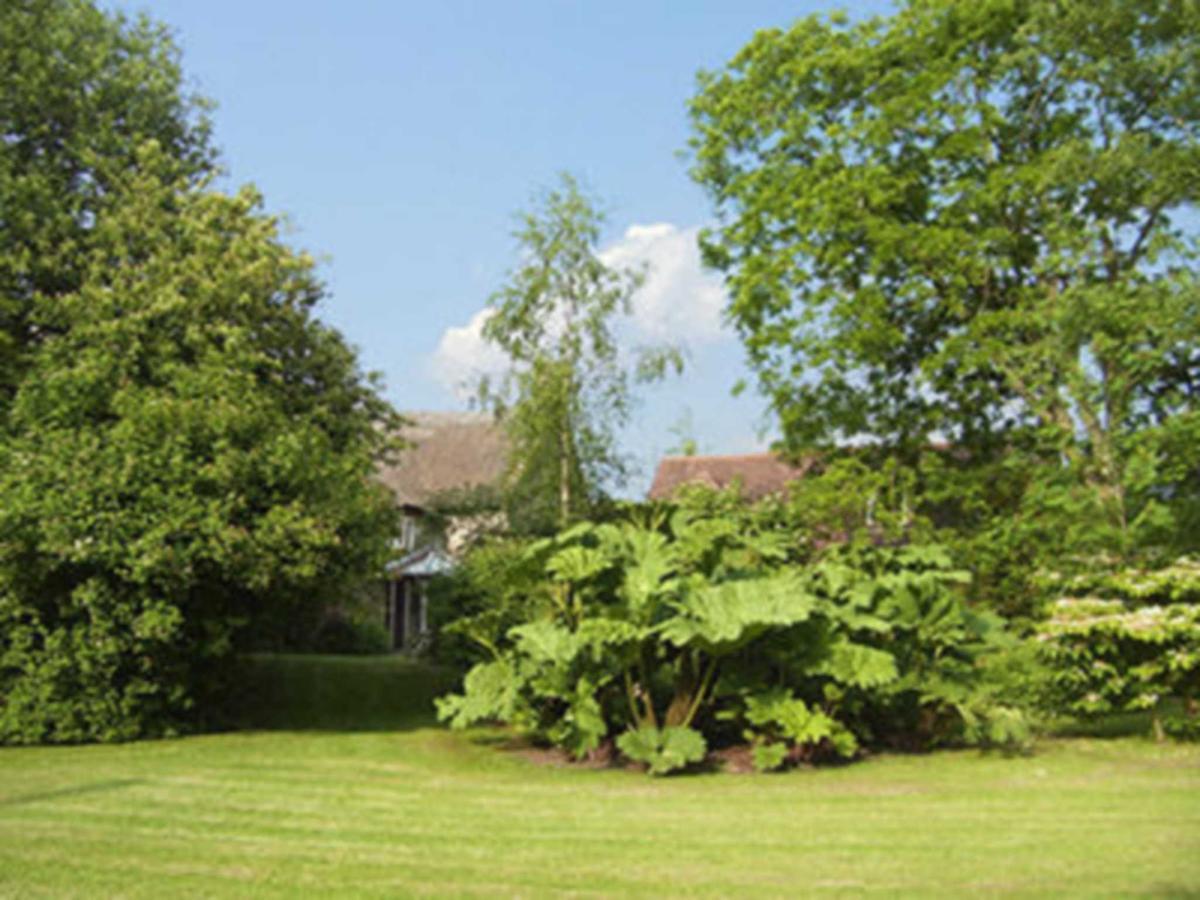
column 496, row 586
column 676, row 633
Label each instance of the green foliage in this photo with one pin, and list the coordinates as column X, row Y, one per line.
column 1137, row 648
column 1177, row 582
column 975, row 220
column 910, row 669
column 341, row 632
column 84, row 91
column 489, row 694
column 782, row 724
column 695, row 618
column 1005, row 727
column 496, row 585
column 663, row 750
column 856, row 497
column 388, row 693
column 858, row 665
column 719, row 619
column 567, row 392
column 186, row 454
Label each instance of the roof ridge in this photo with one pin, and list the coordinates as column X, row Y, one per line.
column 446, row 415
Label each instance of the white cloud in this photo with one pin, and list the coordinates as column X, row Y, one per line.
column 462, row 356
column 679, row 303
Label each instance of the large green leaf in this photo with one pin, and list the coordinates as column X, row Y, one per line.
column 582, row 726
column 575, row 532
column 790, row 716
column 720, row 617
column 576, row 564
column 696, row 538
column 600, row 633
column 651, row 564
column 777, row 713
column 545, row 642
column 858, row 665
column 768, row 756
column 933, row 556
column 491, row 691
column 663, row 750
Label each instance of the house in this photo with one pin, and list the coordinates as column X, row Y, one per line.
column 450, row 457
column 406, row 606
column 757, row 475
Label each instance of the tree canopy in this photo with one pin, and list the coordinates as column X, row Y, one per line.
column 973, row 221
column 186, row 450
column 83, row 91
column 567, row 390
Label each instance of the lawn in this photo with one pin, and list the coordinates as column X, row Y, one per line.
column 349, row 788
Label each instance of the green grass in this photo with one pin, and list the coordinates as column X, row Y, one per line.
column 364, row 796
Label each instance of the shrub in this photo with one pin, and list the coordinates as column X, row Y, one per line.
column 496, row 586
column 673, row 631
column 1129, row 640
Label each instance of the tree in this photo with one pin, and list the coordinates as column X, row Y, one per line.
column 187, row 452
column 973, row 220
column 568, row 389
column 83, row 91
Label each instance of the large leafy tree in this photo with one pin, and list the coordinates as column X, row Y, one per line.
column 567, row 390
column 82, row 91
column 186, row 452
column 974, row 220
column 188, row 460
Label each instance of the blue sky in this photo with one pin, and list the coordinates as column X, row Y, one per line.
column 400, row 138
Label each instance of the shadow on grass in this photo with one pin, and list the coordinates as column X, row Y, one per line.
column 501, row 740
column 339, row 693
column 95, row 787
column 1172, row 890
column 1112, row 725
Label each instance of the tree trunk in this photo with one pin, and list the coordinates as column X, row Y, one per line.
column 564, row 478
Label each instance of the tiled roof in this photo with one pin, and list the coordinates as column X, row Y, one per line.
column 757, row 474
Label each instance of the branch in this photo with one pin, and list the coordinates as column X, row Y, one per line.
column 1136, row 250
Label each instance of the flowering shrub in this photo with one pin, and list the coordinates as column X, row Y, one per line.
column 1134, row 644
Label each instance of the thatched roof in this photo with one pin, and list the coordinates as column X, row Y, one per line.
column 450, row 451
column 758, row 474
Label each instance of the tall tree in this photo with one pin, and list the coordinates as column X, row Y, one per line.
column 82, row 92
column 187, row 451
column 971, row 219
column 568, row 387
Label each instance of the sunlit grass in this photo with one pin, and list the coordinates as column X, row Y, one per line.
column 393, row 805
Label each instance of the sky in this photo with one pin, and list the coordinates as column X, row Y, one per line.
column 400, row 139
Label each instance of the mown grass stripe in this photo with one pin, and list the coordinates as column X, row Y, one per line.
column 418, row 811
